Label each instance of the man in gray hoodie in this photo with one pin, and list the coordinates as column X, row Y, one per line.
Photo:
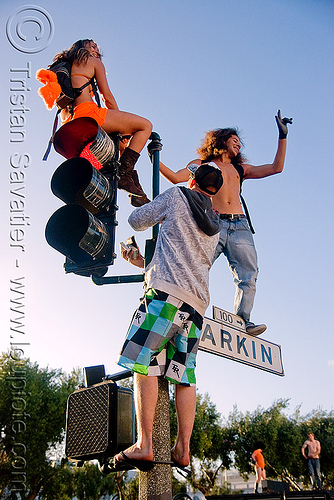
column 164, row 335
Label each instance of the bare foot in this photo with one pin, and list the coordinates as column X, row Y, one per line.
column 135, row 453
column 180, row 457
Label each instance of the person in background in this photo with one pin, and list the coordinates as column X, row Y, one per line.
column 258, row 459
column 313, row 461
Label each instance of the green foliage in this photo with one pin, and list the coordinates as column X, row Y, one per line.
column 178, row 486
column 207, row 435
column 322, row 425
column 283, row 437
column 60, row 485
column 242, row 431
column 230, row 444
column 90, row 484
column 131, row 490
column 32, row 420
column 205, row 445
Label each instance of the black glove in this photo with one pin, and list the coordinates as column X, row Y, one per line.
column 154, row 146
column 281, row 124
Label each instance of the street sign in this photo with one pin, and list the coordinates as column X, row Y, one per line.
column 228, row 318
column 227, row 337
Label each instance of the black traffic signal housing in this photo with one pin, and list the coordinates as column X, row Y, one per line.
column 84, row 228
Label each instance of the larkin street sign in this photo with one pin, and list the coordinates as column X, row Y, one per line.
column 226, row 336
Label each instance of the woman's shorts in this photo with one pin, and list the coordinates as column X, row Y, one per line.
column 163, row 339
column 89, row 109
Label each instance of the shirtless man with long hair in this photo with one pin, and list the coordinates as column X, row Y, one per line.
column 222, row 148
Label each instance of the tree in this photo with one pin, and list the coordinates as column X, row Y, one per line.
column 61, row 484
column 216, row 444
column 32, row 420
column 283, row 437
column 91, row 484
column 270, row 426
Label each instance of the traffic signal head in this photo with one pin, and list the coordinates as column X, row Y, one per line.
column 77, row 181
column 77, row 135
column 73, row 229
column 80, row 236
column 84, row 229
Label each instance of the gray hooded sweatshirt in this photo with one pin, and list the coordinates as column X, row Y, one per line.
column 187, row 239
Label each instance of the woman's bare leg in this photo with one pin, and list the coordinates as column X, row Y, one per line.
column 127, row 123
column 140, row 129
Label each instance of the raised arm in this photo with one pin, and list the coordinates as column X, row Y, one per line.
column 127, row 255
column 260, row 171
column 181, row 175
column 101, row 79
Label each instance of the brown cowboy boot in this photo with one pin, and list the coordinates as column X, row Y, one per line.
column 128, row 178
column 138, row 201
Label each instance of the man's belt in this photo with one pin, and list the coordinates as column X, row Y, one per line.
column 232, row 216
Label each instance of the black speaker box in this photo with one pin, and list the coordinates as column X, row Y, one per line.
column 100, row 421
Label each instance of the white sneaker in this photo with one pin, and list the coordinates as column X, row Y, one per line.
column 255, row 330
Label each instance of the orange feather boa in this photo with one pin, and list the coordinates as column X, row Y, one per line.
column 51, row 90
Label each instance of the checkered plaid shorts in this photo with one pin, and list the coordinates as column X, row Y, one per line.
column 163, row 339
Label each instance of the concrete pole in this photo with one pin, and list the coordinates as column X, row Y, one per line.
column 157, row 483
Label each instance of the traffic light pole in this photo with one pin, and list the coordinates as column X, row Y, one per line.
column 84, row 231
column 156, row 484
column 112, row 280
column 154, row 147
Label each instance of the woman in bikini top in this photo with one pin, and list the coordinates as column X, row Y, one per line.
column 85, row 57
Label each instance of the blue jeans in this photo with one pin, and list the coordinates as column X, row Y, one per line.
column 313, row 465
column 237, row 244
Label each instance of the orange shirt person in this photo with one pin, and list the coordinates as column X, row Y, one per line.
column 259, row 464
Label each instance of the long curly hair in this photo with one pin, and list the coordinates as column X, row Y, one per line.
column 214, row 144
column 77, row 52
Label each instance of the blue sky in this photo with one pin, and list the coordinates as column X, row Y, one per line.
column 190, row 66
